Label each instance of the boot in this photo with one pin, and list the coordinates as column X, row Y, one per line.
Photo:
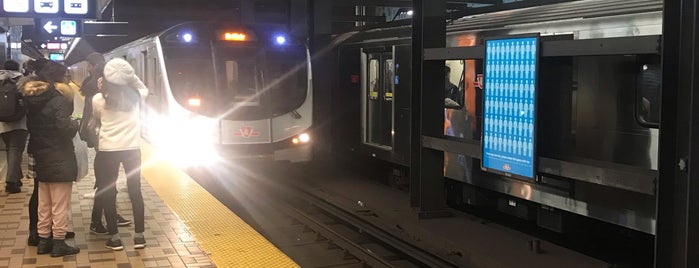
column 60, row 248
column 33, row 239
column 45, row 246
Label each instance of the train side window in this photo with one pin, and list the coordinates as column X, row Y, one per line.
column 648, row 94
column 388, row 79
column 373, row 79
column 454, row 77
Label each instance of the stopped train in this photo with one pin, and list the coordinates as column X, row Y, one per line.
column 223, row 89
column 597, row 110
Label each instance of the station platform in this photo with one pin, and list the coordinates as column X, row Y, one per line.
column 185, row 227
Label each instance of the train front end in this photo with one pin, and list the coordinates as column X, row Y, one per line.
column 233, row 92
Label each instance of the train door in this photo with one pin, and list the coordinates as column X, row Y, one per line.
column 378, row 99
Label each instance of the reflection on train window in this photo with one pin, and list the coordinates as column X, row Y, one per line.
column 242, row 83
column 648, row 101
column 388, row 79
column 186, row 81
column 373, row 79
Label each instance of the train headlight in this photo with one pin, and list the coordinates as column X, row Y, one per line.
column 194, row 102
column 304, row 138
column 187, row 37
column 280, row 39
column 301, row 139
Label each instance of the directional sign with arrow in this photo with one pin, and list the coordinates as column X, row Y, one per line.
column 49, row 27
column 60, row 28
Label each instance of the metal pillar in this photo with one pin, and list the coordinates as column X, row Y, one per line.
column 677, row 240
column 323, row 64
column 426, row 165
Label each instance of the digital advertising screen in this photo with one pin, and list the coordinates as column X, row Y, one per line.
column 509, row 111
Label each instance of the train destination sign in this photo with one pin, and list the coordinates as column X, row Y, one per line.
column 68, row 9
column 509, row 113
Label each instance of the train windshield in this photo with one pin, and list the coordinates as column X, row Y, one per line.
column 240, row 83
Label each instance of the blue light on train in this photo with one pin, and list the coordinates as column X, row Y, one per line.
column 280, row 39
column 187, row 37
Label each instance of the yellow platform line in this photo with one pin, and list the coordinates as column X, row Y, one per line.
column 228, row 239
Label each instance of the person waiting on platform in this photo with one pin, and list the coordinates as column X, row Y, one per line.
column 13, row 133
column 51, row 131
column 116, row 113
column 89, row 88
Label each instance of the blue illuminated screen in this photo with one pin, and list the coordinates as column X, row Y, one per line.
column 56, row 57
column 509, row 112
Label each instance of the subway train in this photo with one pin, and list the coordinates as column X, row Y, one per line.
column 222, row 91
column 597, row 110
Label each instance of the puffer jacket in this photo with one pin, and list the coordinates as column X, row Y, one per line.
column 51, row 131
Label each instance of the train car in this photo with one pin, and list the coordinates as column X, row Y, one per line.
column 225, row 90
column 598, row 110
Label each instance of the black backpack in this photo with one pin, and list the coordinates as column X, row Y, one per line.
column 11, row 102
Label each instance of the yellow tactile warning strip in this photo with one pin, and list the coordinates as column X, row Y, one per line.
column 227, row 238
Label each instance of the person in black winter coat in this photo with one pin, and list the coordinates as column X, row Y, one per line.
column 50, row 142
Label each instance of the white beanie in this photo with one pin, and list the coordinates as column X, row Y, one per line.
column 118, row 71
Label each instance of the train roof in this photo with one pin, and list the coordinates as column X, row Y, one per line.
column 567, row 11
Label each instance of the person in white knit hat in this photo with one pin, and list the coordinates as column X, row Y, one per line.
column 116, row 113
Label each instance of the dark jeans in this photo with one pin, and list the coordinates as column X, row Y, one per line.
column 15, row 141
column 106, row 172
column 34, row 208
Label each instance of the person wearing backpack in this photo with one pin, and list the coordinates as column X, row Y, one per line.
column 13, row 125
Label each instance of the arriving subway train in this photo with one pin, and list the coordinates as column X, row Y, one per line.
column 597, row 110
column 222, row 89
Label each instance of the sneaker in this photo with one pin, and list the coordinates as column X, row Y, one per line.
column 121, row 221
column 60, row 249
column 114, row 245
column 13, row 188
column 98, row 229
column 139, row 242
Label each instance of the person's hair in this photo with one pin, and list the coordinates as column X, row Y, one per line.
column 95, row 59
column 34, row 66
column 90, row 88
column 119, row 97
column 11, row 65
column 53, row 72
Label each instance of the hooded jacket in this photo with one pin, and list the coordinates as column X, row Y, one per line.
column 51, row 131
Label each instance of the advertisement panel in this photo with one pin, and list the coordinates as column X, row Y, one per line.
column 509, row 110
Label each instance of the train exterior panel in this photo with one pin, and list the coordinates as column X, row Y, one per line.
column 226, row 90
column 598, row 111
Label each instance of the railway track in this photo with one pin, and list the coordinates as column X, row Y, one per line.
column 312, row 231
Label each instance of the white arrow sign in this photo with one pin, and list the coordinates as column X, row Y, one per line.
column 49, row 27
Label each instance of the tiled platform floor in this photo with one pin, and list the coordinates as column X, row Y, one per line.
column 169, row 243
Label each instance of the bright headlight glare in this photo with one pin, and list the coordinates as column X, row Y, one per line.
column 185, row 141
column 304, row 138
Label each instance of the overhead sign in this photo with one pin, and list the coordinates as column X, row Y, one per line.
column 46, row 6
column 60, row 27
column 20, row 6
column 69, row 9
column 54, row 46
column 509, row 111
column 105, row 28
